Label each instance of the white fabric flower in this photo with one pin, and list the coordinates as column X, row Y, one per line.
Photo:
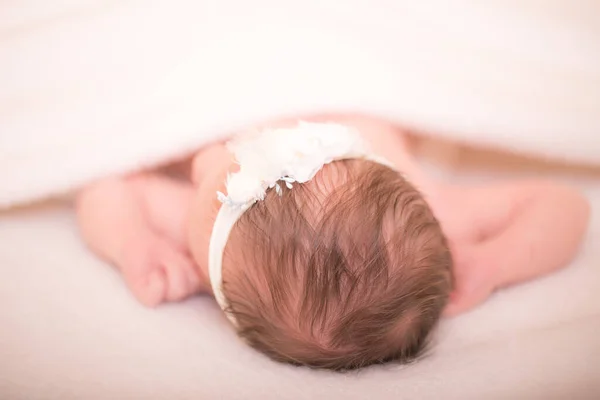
column 289, row 155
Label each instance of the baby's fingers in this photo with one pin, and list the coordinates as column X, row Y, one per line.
column 149, row 290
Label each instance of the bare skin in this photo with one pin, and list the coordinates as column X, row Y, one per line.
column 155, row 229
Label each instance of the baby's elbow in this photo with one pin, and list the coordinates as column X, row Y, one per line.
column 569, row 205
column 585, row 210
column 580, row 209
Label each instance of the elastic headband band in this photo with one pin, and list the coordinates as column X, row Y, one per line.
column 289, row 156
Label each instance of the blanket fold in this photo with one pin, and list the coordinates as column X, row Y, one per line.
column 99, row 87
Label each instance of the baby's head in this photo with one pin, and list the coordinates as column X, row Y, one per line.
column 348, row 269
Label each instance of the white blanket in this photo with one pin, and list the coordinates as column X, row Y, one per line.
column 91, row 87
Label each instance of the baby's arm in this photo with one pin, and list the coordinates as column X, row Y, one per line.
column 139, row 225
column 524, row 230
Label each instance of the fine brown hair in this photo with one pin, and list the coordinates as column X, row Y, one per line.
column 347, row 270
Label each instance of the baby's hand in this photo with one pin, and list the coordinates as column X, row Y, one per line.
column 157, row 270
column 473, row 280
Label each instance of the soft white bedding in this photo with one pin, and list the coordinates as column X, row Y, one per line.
column 90, row 87
column 70, row 330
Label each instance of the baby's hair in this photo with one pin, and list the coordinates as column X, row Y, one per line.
column 347, row 270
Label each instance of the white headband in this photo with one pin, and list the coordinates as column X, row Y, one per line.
column 289, row 156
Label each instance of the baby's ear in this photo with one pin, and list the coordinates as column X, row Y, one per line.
column 458, row 303
column 464, row 299
column 472, row 285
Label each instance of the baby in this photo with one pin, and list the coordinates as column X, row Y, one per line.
column 343, row 257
